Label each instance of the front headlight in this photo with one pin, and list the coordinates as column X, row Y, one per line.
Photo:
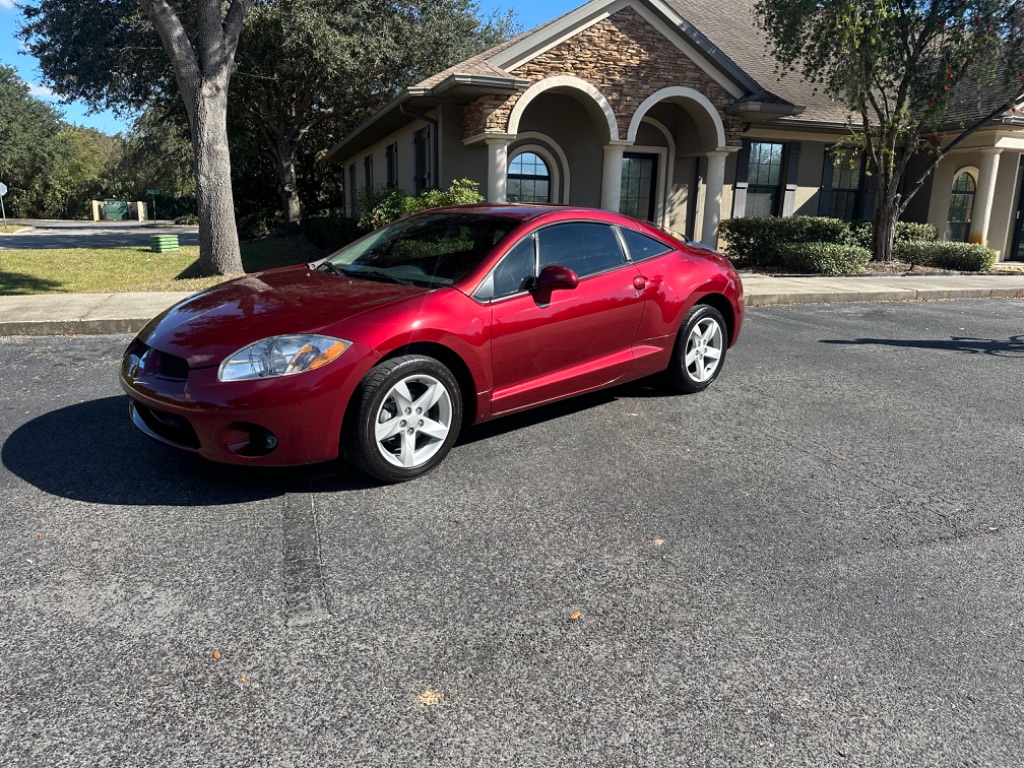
column 281, row 356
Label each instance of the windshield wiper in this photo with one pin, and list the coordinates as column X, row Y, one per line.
column 325, row 266
column 376, row 274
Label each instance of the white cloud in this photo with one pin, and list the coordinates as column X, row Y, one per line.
column 40, row 91
column 7, row 4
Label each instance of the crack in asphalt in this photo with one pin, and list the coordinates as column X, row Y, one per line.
column 305, row 587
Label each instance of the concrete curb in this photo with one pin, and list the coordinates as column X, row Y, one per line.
column 72, row 327
column 783, row 299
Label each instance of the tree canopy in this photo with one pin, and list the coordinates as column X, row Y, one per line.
column 320, row 67
column 51, row 168
column 910, row 71
column 125, row 53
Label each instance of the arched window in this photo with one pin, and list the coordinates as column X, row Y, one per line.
column 961, row 206
column 529, row 179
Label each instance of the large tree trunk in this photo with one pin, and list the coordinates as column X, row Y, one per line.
column 219, row 252
column 288, row 184
column 203, row 71
column 885, row 229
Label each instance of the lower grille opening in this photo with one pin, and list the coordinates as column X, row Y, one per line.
column 169, row 426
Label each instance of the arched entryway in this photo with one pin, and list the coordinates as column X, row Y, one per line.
column 678, row 134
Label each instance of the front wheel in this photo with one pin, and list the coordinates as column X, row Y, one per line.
column 700, row 350
column 406, row 417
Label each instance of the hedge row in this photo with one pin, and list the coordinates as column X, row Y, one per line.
column 862, row 233
column 835, row 247
column 823, row 258
column 756, row 239
column 966, row 257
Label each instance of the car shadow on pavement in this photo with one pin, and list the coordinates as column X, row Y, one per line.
column 650, row 387
column 1011, row 347
column 90, row 452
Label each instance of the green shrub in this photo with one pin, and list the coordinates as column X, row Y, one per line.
column 965, row 257
column 823, row 258
column 757, row 238
column 383, row 206
column 915, row 231
column 188, row 218
column 862, row 232
column 331, row 231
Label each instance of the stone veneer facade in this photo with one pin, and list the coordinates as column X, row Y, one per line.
column 625, row 58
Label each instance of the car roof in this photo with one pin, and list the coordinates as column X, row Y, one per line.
column 523, row 212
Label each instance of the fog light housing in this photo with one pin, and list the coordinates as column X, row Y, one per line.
column 245, row 439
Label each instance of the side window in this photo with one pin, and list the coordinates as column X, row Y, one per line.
column 641, row 246
column 515, row 269
column 583, row 247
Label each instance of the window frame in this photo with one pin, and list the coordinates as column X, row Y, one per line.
column 779, row 188
column 550, row 178
column 368, row 172
column 971, row 196
column 480, row 293
column 391, row 161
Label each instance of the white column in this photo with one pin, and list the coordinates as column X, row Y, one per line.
column 497, row 168
column 982, row 213
column 611, row 181
column 713, row 197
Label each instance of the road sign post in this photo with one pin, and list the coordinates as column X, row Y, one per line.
column 153, row 193
column 3, row 191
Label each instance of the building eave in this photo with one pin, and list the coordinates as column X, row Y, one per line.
column 457, row 88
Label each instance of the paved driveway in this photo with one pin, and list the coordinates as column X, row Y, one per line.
column 814, row 563
column 87, row 234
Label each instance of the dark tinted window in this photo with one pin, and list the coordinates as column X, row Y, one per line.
column 429, row 249
column 583, row 247
column 512, row 273
column 642, row 246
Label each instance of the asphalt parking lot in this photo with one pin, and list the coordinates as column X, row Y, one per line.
column 813, row 563
column 98, row 234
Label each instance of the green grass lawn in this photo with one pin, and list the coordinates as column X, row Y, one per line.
column 117, row 270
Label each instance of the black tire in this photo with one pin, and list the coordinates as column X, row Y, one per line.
column 379, row 401
column 698, row 374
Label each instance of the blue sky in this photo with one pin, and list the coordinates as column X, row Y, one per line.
column 27, row 70
column 530, row 13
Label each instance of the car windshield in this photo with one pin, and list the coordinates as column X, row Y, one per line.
column 432, row 249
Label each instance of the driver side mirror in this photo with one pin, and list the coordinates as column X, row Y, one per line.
column 555, row 278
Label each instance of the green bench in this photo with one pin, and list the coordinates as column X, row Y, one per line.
column 163, row 243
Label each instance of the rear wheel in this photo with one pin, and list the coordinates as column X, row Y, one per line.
column 700, row 350
column 406, row 418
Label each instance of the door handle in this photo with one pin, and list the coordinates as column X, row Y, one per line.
column 639, row 282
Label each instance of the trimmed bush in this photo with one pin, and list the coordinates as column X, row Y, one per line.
column 964, row 257
column 915, row 231
column 862, row 232
column 823, row 258
column 757, row 239
column 331, row 231
column 188, row 218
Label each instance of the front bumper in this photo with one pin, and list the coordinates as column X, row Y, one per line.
column 277, row 421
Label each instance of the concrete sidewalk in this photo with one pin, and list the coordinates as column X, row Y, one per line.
column 93, row 313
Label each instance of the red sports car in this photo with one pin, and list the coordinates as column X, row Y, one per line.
column 385, row 349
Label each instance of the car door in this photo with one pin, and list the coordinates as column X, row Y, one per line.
column 549, row 344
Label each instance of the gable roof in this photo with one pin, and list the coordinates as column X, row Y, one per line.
column 721, row 32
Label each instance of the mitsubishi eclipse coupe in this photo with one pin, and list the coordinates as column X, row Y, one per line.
column 384, row 350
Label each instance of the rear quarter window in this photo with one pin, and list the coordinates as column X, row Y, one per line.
column 641, row 246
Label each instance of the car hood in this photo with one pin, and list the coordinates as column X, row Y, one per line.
column 209, row 326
